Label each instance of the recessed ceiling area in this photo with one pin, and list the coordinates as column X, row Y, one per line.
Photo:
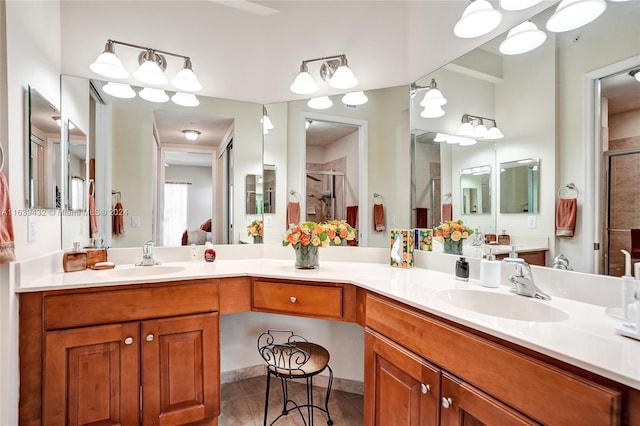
column 170, row 124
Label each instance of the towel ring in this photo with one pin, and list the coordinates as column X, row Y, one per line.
column 446, row 196
column 1, row 159
column 295, row 194
column 376, row 195
column 569, row 186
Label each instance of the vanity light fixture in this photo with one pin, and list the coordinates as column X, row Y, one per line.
column 191, row 135
column 321, row 102
column 522, row 38
column 572, row 14
column 152, row 63
column 266, row 122
column 635, row 74
column 153, row 95
column 478, row 19
column 355, row 98
column 334, row 70
column 513, row 5
column 185, row 99
column 432, row 101
column 473, row 126
column 119, row 90
column 432, row 112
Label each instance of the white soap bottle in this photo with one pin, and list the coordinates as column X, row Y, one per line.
column 490, row 270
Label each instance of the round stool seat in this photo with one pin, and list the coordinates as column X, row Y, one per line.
column 297, row 364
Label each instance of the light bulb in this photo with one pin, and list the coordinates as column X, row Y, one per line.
column 304, row 84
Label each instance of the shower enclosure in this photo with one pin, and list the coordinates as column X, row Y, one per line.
column 325, row 195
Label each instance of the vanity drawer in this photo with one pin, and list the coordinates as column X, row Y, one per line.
column 298, row 299
column 95, row 307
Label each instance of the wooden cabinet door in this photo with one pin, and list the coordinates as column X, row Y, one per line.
column 401, row 389
column 462, row 404
column 180, row 369
column 91, row 376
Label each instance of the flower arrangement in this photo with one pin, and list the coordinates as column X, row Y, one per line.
column 339, row 231
column 255, row 229
column 306, row 234
column 454, row 230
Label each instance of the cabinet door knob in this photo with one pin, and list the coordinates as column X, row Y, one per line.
column 293, row 299
column 446, row 402
column 128, row 340
column 425, row 388
column 149, row 337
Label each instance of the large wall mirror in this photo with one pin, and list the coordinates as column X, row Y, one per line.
column 333, row 160
column 44, row 153
column 175, row 173
column 538, row 101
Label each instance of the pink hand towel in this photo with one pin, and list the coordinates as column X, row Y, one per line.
column 352, row 216
column 566, row 213
column 293, row 213
column 93, row 220
column 7, row 248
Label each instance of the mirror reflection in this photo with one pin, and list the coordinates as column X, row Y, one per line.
column 269, row 189
column 44, row 153
column 254, row 188
column 78, row 184
column 145, row 151
column 475, row 187
column 544, row 112
column 520, row 186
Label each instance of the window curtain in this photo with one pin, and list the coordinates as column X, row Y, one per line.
column 175, row 213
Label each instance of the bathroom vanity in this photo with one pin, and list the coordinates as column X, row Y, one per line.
column 98, row 347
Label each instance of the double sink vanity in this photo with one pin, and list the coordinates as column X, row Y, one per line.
column 135, row 343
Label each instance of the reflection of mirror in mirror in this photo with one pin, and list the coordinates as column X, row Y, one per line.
column 426, row 200
column 254, row 189
column 44, row 153
column 475, row 186
column 520, row 186
column 269, row 189
column 77, row 178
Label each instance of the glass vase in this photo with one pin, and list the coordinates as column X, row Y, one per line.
column 307, row 257
column 453, row 247
column 257, row 239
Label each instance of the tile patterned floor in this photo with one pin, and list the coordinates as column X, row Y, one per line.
column 243, row 404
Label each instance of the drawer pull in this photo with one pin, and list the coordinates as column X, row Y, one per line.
column 446, row 402
column 293, row 299
column 149, row 337
column 128, row 340
column 425, row 388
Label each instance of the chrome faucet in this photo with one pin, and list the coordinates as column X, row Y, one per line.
column 147, row 255
column 523, row 280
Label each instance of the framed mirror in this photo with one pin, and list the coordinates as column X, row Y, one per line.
column 520, row 186
column 44, row 153
column 475, row 187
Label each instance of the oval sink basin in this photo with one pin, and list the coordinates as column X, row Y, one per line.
column 141, row 271
column 502, row 305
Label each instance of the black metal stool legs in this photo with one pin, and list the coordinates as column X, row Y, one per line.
column 326, row 400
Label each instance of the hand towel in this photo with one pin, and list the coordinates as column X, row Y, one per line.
column 566, row 213
column 206, row 226
column 196, row 236
column 378, row 218
column 93, row 220
column 7, row 248
column 447, row 212
column 118, row 219
column 635, row 244
column 293, row 213
column 352, row 216
column 421, row 217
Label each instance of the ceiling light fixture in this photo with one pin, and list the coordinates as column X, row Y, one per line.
column 152, row 63
column 513, row 5
column 572, row 14
column 334, row 70
column 321, row 102
column 191, row 135
column 478, row 19
column 522, row 38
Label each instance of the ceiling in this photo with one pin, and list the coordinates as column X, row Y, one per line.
column 243, row 55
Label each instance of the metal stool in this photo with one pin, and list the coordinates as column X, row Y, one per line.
column 293, row 357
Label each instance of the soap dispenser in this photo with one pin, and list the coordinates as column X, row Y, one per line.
column 504, row 239
column 75, row 260
column 490, row 270
column 462, row 270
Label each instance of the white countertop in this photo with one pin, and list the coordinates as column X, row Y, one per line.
column 586, row 339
